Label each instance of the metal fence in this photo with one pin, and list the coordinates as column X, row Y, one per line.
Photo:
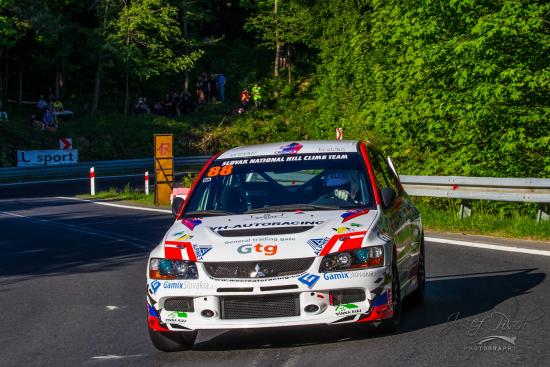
column 19, row 174
column 527, row 190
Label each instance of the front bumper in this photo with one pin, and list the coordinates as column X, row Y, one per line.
column 318, row 289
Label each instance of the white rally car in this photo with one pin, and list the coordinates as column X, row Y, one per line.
column 301, row 233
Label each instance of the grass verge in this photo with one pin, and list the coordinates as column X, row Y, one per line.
column 500, row 224
column 127, row 194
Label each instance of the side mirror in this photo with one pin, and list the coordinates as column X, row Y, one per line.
column 388, row 197
column 176, row 205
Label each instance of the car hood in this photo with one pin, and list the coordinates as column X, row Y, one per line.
column 270, row 236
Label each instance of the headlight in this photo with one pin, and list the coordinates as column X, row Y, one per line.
column 172, row 269
column 366, row 257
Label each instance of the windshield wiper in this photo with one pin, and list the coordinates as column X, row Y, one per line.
column 205, row 213
column 291, row 207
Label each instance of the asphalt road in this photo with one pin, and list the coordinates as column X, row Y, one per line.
column 72, row 286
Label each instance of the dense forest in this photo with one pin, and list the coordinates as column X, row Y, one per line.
column 447, row 87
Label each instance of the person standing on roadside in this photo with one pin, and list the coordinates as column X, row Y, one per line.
column 221, row 85
column 257, row 95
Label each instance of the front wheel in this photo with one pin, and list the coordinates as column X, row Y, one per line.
column 173, row 341
column 417, row 297
column 390, row 325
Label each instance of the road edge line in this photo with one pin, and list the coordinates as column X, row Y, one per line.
column 116, row 205
column 485, row 246
column 488, row 246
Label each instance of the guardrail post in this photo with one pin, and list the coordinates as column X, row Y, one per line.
column 465, row 209
column 92, row 181
column 146, row 182
column 543, row 213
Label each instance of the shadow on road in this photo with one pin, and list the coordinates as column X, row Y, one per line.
column 45, row 237
column 470, row 295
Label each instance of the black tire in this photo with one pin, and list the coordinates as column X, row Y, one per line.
column 173, row 341
column 176, row 206
column 417, row 297
column 391, row 324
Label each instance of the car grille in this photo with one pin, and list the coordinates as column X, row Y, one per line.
column 260, row 307
column 179, row 304
column 249, row 269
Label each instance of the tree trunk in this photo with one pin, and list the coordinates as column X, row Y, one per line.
column 6, row 70
column 126, row 90
column 57, row 78
column 289, row 64
column 97, row 83
column 185, row 34
column 277, row 43
column 20, row 92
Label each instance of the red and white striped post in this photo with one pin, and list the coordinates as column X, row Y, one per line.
column 146, row 182
column 339, row 133
column 92, row 181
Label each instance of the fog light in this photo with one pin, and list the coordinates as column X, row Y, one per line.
column 311, row 308
column 207, row 313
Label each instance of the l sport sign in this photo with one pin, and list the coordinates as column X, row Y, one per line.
column 26, row 158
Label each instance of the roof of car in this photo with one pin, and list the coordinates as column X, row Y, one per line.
column 293, row 147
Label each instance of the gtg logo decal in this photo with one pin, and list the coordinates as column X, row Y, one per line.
column 309, row 279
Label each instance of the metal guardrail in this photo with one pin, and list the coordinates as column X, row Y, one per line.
column 17, row 174
column 529, row 190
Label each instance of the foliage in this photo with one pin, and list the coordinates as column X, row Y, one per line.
column 461, row 87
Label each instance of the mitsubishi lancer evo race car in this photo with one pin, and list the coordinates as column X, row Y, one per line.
column 288, row 234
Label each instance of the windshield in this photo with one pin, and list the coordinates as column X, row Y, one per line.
column 282, row 183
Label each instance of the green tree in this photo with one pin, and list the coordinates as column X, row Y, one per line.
column 145, row 35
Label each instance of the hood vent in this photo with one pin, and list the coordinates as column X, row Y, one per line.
column 263, row 231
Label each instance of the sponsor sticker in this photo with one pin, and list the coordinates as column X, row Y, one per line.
column 347, row 309
column 176, row 316
column 317, row 244
column 200, row 251
column 267, row 250
column 309, row 279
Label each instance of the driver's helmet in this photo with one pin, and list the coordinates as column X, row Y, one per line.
column 337, row 181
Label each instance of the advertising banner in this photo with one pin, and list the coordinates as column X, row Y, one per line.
column 28, row 158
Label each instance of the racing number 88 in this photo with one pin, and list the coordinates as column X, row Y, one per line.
column 217, row 170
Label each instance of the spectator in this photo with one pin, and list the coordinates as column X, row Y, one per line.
column 57, row 105
column 201, row 96
column 49, row 119
column 176, row 104
column 221, row 86
column 245, row 98
column 187, row 102
column 35, row 122
column 167, row 104
column 205, row 89
column 213, row 88
column 257, row 94
column 157, row 109
column 41, row 104
column 3, row 114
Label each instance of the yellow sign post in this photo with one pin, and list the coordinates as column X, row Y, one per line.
column 164, row 168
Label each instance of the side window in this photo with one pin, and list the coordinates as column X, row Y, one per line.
column 382, row 171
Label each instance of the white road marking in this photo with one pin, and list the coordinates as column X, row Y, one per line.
column 111, row 308
column 114, row 356
column 113, row 236
column 117, row 205
column 488, row 246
